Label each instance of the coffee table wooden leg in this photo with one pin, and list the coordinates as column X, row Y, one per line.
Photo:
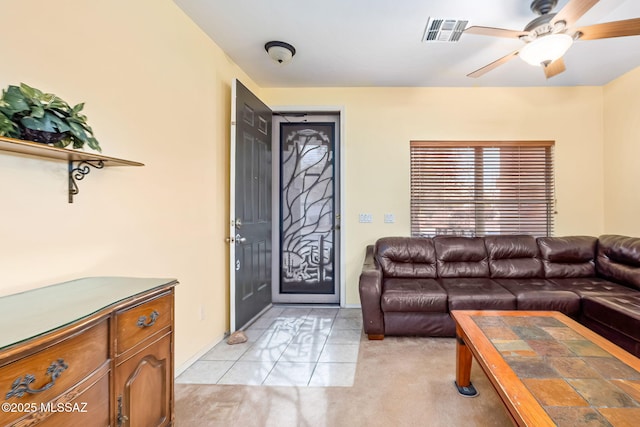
column 464, row 357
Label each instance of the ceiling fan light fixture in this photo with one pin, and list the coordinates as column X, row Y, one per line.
column 280, row 52
column 546, row 49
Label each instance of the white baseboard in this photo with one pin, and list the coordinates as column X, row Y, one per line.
column 180, row 369
column 352, row 306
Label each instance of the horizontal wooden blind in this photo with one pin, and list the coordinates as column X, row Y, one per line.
column 482, row 188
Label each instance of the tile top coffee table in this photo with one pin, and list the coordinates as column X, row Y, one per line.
column 548, row 369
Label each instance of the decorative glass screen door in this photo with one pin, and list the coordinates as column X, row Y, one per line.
column 309, row 226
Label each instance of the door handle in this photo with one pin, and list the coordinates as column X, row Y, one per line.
column 240, row 239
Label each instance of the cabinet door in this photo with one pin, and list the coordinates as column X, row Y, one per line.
column 143, row 387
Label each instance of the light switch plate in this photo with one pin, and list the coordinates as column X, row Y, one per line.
column 389, row 218
column 365, row 218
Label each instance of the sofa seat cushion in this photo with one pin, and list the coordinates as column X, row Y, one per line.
column 620, row 313
column 586, row 286
column 413, row 295
column 477, row 294
column 540, row 294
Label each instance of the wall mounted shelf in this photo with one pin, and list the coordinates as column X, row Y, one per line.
column 79, row 162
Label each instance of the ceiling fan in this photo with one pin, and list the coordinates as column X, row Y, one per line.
column 550, row 35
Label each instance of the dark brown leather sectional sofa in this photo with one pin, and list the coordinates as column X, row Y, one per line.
column 408, row 285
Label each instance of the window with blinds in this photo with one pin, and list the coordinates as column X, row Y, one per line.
column 482, row 188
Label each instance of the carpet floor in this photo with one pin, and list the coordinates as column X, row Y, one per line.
column 398, row 382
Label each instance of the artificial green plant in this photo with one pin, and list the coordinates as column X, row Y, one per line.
column 24, row 109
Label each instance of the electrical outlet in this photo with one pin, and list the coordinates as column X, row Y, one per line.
column 366, row 217
column 389, row 218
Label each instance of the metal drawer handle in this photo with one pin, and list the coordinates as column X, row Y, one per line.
column 142, row 320
column 121, row 417
column 21, row 386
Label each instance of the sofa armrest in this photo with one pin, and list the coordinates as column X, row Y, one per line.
column 370, row 287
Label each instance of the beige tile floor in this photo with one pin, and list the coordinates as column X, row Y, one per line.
column 287, row 346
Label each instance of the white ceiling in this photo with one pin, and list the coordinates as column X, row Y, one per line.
column 379, row 42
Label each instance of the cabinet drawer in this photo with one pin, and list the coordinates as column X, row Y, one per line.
column 89, row 408
column 50, row 372
column 136, row 324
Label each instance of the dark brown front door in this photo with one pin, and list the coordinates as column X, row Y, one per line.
column 251, row 221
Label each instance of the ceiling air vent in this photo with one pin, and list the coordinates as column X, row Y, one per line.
column 443, row 30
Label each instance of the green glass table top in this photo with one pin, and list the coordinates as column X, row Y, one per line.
column 32, row 313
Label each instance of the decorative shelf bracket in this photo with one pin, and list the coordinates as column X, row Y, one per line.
column 80, row 162
column 78, row 169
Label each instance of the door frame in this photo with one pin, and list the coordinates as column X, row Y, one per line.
column 231, row 229
column 275, row 229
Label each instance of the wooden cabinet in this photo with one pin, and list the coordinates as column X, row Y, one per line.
column 95, row 351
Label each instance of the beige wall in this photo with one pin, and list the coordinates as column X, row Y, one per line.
column 380, row 122
column 157, row 90
column 622, row 151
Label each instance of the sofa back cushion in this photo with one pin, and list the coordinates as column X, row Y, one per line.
column 572, row 256
column 461, row 256
column 618, row 259
column 513, row 257
column 406, row 257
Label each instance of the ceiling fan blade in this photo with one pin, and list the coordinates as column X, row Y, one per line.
column 628, row 27
column 573, row 11
column 495, row 64
column 555, row 68
column 496, row 32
